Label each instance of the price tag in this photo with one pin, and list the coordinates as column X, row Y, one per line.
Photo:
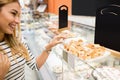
column 63, row 18
column 71, row 60
column 65, row 56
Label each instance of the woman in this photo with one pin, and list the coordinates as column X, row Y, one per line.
column 13, row 54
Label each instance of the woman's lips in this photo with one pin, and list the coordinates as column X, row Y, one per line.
column 12, row 27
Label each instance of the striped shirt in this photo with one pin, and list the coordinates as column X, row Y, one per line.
column 17, row 68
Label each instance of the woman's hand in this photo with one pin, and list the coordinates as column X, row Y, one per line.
column 4, row 66
column 56, row 40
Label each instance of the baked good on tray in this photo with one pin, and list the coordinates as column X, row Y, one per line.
column 85, row 51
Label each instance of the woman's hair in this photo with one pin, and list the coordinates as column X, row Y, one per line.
column 13, row 40
column 4, row 2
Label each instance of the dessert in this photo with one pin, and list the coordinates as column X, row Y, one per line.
column 106, row 73
column 84, row 50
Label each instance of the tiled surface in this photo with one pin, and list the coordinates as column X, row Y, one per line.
column 89, row 20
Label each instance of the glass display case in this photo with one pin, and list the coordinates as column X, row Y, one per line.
column 61, row 65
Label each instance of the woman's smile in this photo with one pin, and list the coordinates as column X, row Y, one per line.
column 12, row 27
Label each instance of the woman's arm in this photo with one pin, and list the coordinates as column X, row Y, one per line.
column 42, row 57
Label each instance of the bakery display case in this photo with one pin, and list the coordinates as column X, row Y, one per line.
column 62, row 64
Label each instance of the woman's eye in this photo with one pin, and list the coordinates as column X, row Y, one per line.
column 13, row 13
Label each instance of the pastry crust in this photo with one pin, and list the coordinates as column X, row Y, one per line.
column 84, row 51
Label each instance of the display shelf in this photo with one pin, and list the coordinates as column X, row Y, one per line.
column 56, row 66
column 84, row 31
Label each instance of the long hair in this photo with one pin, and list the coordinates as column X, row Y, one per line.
column 13, row 40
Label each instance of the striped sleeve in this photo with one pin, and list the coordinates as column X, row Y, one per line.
column 32, row 61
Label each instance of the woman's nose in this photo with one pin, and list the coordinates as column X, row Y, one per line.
column 17, row 20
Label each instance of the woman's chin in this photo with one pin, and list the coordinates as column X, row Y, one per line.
column 9, row 32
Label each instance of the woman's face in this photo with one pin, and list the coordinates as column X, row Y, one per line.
column 9, row 17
